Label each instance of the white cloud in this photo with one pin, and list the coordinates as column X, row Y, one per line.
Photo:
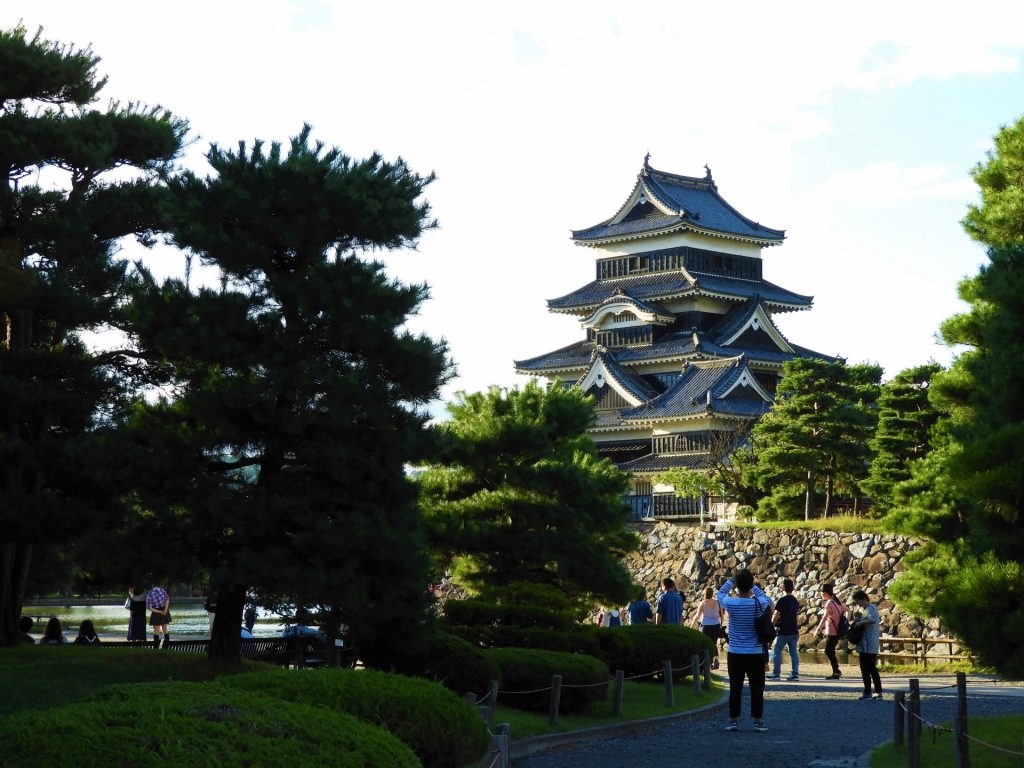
column 889, row 184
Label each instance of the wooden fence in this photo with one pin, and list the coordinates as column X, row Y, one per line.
column 908, row 724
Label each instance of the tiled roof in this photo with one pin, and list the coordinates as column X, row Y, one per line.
column 632, row 382
column 699, row 390
column 699, row 202
column 575, row 355
column 678, row 344
column 659, row 463
column 660, row 285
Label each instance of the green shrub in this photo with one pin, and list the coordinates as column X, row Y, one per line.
column 474, row 613
column 654, row 643
column 539, row 638
column 524, row 669
column 199, row 725
column 614, row 646
column 531, row 593
column 442, row 729
column 455, row 663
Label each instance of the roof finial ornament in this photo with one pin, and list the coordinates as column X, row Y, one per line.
column 647, row 161
column 707, row 172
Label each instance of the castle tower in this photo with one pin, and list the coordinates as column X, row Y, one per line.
column 681, row 352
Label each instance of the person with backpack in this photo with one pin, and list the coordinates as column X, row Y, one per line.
column 833, row 625
column 746, row 650
column 867, row 626
column 787, row 611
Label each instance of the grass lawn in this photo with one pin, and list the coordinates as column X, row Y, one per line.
column 41, row 676
column 843, row 524
column 639, row 700
column 1005, row 732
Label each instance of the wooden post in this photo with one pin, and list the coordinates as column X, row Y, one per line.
column 492, row 703
column 695, row 671
column 666, row 672
column 961, row 697
column 504, row 733
column 898, row 718
column 620, row 678
column 707, row 669
column 963, row 752
column 914, row 725
column 556, row 699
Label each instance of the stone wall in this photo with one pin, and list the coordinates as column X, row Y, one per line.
column 698, row 557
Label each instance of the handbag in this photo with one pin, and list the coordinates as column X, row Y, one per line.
column 763, row 626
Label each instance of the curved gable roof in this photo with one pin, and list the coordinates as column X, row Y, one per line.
column 673, row 202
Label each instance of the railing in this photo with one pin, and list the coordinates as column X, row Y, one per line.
column 920, row 649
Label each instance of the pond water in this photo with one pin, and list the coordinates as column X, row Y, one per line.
column 187, row 620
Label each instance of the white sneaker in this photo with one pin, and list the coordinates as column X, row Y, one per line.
column 733, row 725
column 759, row 725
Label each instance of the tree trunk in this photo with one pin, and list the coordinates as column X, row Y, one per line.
column 226, row 637
column 829, row 489
column 14, row 563
column 809, row 510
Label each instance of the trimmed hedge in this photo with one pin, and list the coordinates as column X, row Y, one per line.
column 442, row 729
column 539, row 638
column 456, row 664
column 654, row 643
column 524, row 669
column 200, row 725
column 481, row 613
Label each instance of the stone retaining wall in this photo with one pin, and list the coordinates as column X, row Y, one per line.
column 697, row 557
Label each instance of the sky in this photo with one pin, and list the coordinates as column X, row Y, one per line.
column 852, row 127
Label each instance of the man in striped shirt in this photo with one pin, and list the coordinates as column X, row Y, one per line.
column 746, row 653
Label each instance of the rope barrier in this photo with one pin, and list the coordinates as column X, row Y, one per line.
column 993, row 746
column 936, row 729
column 609, row 681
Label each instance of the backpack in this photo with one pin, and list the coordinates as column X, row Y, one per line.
column 843, row 627
column 855, row 634
column 614, row 619
column 763, row 627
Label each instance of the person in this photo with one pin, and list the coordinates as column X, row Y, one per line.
column 746, row 653
column 829, row 626
column 639, row 610
column 787, row 611
column 766, row 647
column 708, row 617
column 210, row 606
column 611, row 617
column 25, row 624
column 159, row 603
column 54, row 633
column 87, row 634
column 249, row 617
column 136, row 604
column 670, row 604
column 867, row 648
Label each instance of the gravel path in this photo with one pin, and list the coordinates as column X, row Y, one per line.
column 813, row 722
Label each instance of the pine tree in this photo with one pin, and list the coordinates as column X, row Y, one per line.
column 59, row 278
column 905, row 421
column 967, row 495
column 815, row 435
column 520, row 495
column 298, row 393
